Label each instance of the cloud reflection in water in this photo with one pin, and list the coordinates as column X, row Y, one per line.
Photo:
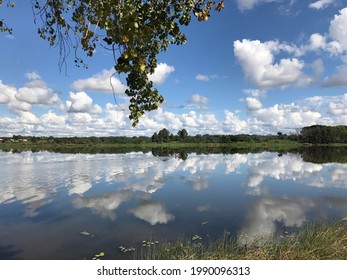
column 35, row 179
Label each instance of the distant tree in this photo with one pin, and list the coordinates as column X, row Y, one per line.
column 182, row 135
column 164, row 135
column 135, row 31
column 321, row 134
column 155, row 137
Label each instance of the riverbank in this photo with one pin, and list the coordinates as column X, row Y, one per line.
column 315, row 242
column 274, row 144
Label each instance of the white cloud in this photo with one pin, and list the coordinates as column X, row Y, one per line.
column 16, row 106
column 263, row 214
column 338, row 30
column 81, row 102
column 21, row 99
column 100, row 82
column 335, row 42
column 160, row 74
column 158, row 119
column 317, row 41
column 206, row 78
column 6, row 93
column 200, row 183
column 51, row 118
column 115, row 115
column 253, row 103
column 37, row 92
column 10, row 36
column 199, row 123
column 337, row 79
column 201, row 77
column 79, row 115
column 285, row 116
column 321, row 4
column 198, row 99
column 153, row 213
column 233, row 124
column 33, row 75
column 250, row 4
column 257, row 62
column 257, row 93
column 338, row 107
column 28, row 118
column 103, row 205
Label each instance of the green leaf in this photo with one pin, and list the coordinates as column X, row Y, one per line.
column 136, row 31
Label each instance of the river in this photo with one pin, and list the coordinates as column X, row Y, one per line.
column 73, row 206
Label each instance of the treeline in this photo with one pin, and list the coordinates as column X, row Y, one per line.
column 316, row 134
column 76, row 140
column 322, row 134
column 163, row 136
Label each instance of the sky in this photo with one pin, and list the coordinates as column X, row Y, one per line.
column 257, row 67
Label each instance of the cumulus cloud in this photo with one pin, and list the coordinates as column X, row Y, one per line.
column 100, row 82
column 199, row 183
column 337, row 79
column 321, row 4
column 334, row 42
column 258, row 64
column 158, row 119
column 104, row 205
column 17, row 106
column 258, row 59
column 336, row 46
column 79, row 115
column 6, row 93
column 81, row 102
column 160, row 74
column 198, row 99
column 338, row 107
column 317, row 41
column 199, row 123
column 284, row 116
column 115, row 115
column 28, row 118
column 37, row 92
column 152, row 212
column 257, row 93
column 262, row 216
column 253, row 103
column 338, row 30
column 33, row 75
column 233, row 124
column 52, row 119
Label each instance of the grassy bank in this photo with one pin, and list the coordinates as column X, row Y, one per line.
column 276, row 144
column 315, row 242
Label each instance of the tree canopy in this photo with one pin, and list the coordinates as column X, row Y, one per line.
column 135, row 31
column 322, row 134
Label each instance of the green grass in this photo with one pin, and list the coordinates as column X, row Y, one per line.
column 174, row 144
column 314, row 242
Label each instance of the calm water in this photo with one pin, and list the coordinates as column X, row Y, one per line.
column 48, row 199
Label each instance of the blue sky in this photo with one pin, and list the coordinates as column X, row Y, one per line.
column 259, row 66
